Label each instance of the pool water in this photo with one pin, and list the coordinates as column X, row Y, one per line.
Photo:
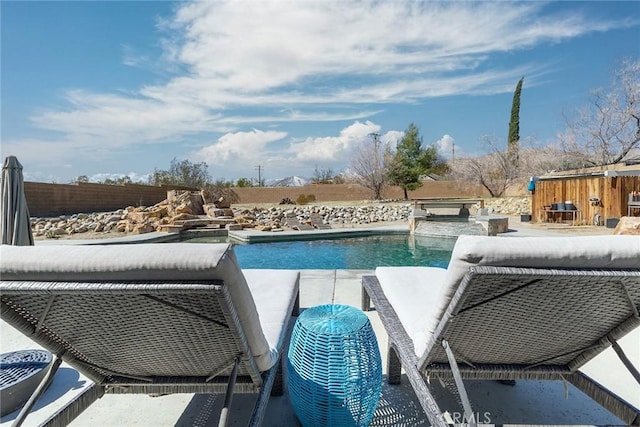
column 353, row 253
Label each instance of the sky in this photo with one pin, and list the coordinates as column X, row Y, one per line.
column 113, row 88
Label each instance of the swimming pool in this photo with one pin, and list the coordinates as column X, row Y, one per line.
column 353, row 253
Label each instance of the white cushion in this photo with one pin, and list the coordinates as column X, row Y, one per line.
column 274, row 292
column 150, row 261
column 415, row 294
column 420, row 297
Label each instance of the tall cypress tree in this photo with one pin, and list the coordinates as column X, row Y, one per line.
column 513, row 141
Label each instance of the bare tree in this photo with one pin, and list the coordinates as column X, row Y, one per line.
column 604, row 131
column 540, row 160
column 367, row 164
column 493, row 170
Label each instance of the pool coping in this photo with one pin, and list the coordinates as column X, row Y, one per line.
column 242, row 236
column 248, row 236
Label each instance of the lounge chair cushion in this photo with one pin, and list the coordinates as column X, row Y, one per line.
column 273, row 292
column 143, row 262
column 418, row 290
column 607, row 252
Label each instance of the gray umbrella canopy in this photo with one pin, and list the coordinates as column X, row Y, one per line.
column 14, row 218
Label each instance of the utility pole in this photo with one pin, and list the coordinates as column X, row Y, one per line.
column 259, row 168
column 453, row 153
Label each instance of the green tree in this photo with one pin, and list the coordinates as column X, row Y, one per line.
column 119, row 181
column 411, row 161
column 182, row 172
column 513, row 140
column 244, row 182
column 82, row 178
column 222, row 183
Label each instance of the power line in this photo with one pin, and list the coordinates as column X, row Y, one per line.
column 259, row 168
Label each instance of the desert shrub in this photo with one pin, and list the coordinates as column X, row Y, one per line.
column 304, row 199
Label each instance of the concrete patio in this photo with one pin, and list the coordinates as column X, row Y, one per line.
column 528, row 402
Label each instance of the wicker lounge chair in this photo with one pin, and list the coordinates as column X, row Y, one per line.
column 152, row 318
column 292, row 222
column 318, row 222
column 508, row 309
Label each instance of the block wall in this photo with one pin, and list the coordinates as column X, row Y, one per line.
column 46, row 199
column 57, row 199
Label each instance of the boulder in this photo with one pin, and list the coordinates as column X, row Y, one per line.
column 138, row 216
column 183, row 217
column 158, row 212
column 628, row 225
column 143, row 228
column 182, row 201
column 184, row 208
column 212, row 210
column 222, row 203
column 209, row 195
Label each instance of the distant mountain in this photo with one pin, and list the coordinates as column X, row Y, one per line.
column 291, row 181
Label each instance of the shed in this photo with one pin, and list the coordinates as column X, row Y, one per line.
column 598, row 196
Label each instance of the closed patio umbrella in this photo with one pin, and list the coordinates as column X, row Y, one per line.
column 14, row 218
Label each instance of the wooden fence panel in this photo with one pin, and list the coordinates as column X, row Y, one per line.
column 612, row 193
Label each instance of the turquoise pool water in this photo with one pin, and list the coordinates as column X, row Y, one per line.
column 354, row 253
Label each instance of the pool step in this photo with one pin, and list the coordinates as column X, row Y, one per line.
column 211, row 223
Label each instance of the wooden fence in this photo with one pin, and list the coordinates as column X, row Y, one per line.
column 598, row 197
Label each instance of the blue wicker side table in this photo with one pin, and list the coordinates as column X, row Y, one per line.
column 334, row 367
column 20, row 375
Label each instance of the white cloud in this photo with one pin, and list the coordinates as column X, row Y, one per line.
column 39, row 153
column 134, row 176
column 312, row 55
column 392, row 138
column 332, row 148
column 234, row 65
column 131, row 58
column 445, row 145
column 238, row 152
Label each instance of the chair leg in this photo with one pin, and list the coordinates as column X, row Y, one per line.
column 295, row 312
column 38, row 392
column 224, row 416
column 625, row 360
column 366, row 300
column 462, row 391
column 270, row 380
column 278, row 382
column 394, row 366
